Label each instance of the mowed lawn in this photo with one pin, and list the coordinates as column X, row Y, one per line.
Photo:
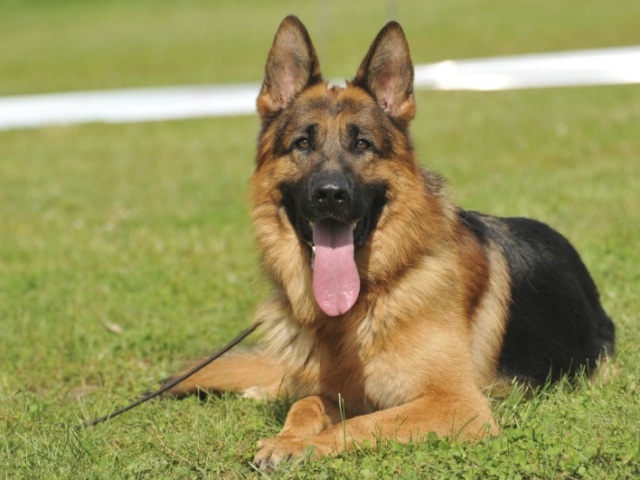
column 126, row 250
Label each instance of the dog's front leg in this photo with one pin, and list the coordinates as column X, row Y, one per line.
column 447, row 414
column 306, row 418
column 310, row 416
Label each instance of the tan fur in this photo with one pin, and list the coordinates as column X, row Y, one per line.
column 252, row 373
column 416, row 351
column 487, row 330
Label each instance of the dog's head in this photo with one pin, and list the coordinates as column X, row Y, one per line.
column 331, row 159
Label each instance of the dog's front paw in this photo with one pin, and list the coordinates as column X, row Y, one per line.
column 272, row 451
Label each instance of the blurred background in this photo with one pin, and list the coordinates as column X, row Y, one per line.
column 66, row 45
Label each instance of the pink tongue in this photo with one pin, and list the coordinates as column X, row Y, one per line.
column 336, row 283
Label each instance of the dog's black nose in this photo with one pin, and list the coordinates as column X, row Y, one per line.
column 331, row 193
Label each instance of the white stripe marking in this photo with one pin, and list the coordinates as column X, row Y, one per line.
column 612, row 66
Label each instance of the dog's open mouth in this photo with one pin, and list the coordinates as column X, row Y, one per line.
column 334, row 238
column 336, row 283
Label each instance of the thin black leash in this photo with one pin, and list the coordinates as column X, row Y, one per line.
column 168, row 386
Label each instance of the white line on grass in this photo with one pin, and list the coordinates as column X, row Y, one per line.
column 608, row 66
column 611, row 66
column 131, row 105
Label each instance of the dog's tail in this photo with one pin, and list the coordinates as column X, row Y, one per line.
column 250, row 372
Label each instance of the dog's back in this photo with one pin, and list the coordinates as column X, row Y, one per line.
column 555, row 323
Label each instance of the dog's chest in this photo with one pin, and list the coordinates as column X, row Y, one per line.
column 388, row 383
column 393, row 362
column 365, row 386
column 366, row 377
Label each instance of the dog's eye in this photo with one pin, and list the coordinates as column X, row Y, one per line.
column 302, row 144
column 363, row 144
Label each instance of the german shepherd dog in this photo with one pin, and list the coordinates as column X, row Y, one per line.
column 393, row 311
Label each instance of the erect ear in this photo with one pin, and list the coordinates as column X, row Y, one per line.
column 387, row 73
column 292, row 65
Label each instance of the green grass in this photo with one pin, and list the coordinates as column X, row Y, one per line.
column 126, row 250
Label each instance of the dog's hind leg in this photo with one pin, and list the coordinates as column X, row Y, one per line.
column 249, row 372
